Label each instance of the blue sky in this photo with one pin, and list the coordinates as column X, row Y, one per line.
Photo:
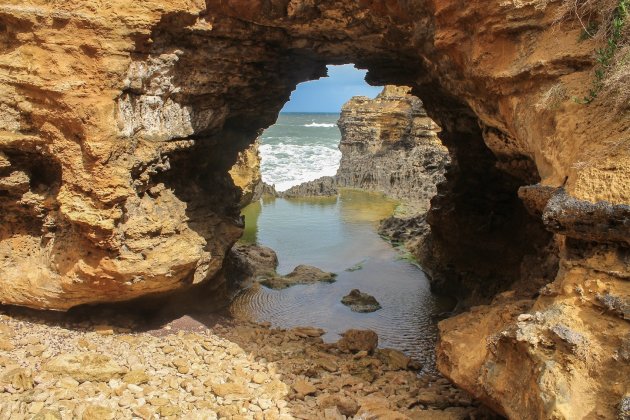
column 328, row 94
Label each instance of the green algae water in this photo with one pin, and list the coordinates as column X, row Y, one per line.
column 339, row 234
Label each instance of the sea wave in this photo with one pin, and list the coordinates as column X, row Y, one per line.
column 287, row 165
column 326, row 125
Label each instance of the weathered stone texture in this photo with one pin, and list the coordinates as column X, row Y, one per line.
column 126, row 118
column 389, row 144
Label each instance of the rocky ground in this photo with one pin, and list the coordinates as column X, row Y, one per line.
column 112, row 367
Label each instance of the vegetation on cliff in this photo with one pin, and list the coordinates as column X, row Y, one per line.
column 606, row 21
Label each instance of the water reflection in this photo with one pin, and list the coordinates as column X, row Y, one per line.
column 338, row 234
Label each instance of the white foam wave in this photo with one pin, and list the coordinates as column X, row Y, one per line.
column 314, row 124
column 287, row 165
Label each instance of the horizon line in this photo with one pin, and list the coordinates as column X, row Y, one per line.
column 310, row 112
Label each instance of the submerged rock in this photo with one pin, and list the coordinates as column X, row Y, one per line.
column 361, row 302
column 302, row 274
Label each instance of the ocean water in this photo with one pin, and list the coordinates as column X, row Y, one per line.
column 299, row 148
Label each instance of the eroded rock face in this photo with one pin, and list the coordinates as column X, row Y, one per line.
column 325, row 186
column 127, row 117
column 389, row 144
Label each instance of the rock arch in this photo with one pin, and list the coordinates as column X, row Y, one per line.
column 142, row 109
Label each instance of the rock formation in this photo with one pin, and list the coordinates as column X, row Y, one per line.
column 302, row 274
column 358, row 301
column 322, row 187
column 119, row 123
column 389, row 144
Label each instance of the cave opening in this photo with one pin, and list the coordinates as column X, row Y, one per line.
column 338, row 158
column 120, row 128
column 303, row 144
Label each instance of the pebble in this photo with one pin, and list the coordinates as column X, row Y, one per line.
column 246, row 371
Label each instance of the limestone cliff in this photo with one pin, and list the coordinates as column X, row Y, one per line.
column 389, row 144
column 119, row 122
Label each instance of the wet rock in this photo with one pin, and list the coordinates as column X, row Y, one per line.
column 302, row 274
column 264, row 190
column 322, row 187
column 361, row 302
column 308, row 332
column 85, row 367
column 403, row 230
column 358, row 340
column 252, row 260
column 394, row 359
column 269, row 190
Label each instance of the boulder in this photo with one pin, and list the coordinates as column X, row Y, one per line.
column 361, row 302
column 85, row 367
column 358, row 340
column 252, row 260
column 394, row 359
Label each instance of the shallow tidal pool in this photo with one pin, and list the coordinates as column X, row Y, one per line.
column 339, row 234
